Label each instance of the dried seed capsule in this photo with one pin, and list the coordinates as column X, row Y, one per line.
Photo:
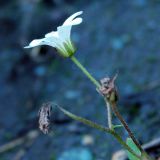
column 108, row 89
column 44, row 117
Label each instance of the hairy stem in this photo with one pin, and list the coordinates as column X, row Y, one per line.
column 109, row 113
column 116, row 112
column 84, row 70
column 98, row 127
column 114, row 107
column 96, row 83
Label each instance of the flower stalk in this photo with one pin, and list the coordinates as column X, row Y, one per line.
column 99, row 127
column 144, row 155
column 109, row 113
column 84, row 70
column 111, row 97
column 118, row 115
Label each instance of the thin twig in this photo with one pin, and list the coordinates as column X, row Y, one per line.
column 144, row 155
column 29, row 136
column 116, row 112
column 109, row 113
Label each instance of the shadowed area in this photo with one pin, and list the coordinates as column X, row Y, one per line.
column 114, row 37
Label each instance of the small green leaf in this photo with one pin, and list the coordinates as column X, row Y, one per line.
column 117, row 126
column 132, row 145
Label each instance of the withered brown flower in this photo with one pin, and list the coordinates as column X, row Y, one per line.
column 44, row 117
column 108, row 89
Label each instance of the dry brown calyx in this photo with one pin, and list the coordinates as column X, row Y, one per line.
column 108, row 89
column 44, row 117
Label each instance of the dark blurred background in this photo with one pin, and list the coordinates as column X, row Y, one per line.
column 121, row 36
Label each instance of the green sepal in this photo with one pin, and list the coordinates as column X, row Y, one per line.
column 70, row 49
column 62, row 53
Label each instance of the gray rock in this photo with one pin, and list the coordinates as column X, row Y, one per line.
column 76, row 154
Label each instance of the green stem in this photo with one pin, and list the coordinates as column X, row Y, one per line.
column 120, row 140
column 99, row 127
column 97, row 84
column 117, row 113
column 83, row 69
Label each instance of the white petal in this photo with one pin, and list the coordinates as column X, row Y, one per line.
column 52, row 34
column 43, row 41
column 76, row 21
column 50, row 41
column 69, row 20
column 64, row 33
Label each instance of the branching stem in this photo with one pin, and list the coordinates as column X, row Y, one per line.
column 99, row 127
column 115, row 110
column 118, row 115
column 144, row 155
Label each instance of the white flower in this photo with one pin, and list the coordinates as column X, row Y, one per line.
column 60, row 39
